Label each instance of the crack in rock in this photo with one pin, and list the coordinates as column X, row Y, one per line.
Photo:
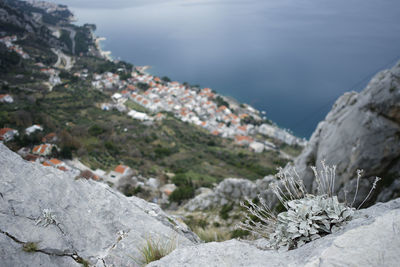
column 47, row 251
column 121, row 235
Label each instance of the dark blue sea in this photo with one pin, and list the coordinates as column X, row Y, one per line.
column 291, row 58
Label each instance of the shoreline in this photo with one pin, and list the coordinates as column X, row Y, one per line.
column 103, row 53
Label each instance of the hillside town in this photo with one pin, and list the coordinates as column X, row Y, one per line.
column 193, row 105
column 8, row 41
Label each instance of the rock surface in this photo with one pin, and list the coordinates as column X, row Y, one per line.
column 370, row 239
column 91, row 221
column 362, row 131
column 231, row 190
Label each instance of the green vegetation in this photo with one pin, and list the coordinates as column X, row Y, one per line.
column 82, row 261
column 239, row 233
column 166, row 79
column 66, row 39
column 182, row 193
column 212, row 234
column 221, row 102
column 83, row 39
column 224, row 213
column 154, row 250
column 194, row 223
column 30, row 247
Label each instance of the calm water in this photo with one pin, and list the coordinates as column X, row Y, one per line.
column 291, row 58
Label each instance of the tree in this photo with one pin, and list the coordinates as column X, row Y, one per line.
column 166, row 79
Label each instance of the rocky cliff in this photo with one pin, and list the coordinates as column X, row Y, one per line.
column 71, row 221
column 371, row 239
column 362, row 131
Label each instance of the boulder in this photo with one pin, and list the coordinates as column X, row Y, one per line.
column 231, row 190
column 72, row 220
column 362, row 131
column 372, row 238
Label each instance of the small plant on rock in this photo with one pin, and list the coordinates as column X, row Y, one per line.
column 154, row 250
column 47, row 218
column 30, row 247
column 307, row 217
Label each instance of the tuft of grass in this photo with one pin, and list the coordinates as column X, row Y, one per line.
column 154, row 250
column 30, row 247
column 239, row 233
column 224, row 212
column 211, row 234
column 82, row 261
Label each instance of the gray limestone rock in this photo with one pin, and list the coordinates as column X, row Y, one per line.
column 85, row 219
column 231, row 190
column 362, row 131
column 372, row 238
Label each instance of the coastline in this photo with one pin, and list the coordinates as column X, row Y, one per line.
column 103, row 53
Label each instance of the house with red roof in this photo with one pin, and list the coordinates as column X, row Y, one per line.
column 56, row 163
column 243, row 140
column 43, row 149
column 6, row 98
column 7, row 134
column 50, row 138
column 30, row 130
column 119, row 172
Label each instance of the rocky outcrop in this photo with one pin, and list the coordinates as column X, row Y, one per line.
column 231, row 190
column 14, row 15
column 71, row 221
column 371, row 239
column 362, row 131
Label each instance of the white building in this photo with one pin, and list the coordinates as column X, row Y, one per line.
column 7, row 134
column 119, row 172
column 257, row 147
column 138, row 115
column 30, row 130
column 6, row 98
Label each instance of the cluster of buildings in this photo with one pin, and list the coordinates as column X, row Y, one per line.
column 8, row 41
column 48, row 6
column 193, row 105
column 39, row 153
column 54, row 79
column 107, row 81
column 43, row 152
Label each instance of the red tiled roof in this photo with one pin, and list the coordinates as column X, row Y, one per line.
column 243, row 128
column 120, row 168
column 215, row 132
column 55, row 161
column 48, row 137
column 43, row 149
column 3, row 131
column 240, row 138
